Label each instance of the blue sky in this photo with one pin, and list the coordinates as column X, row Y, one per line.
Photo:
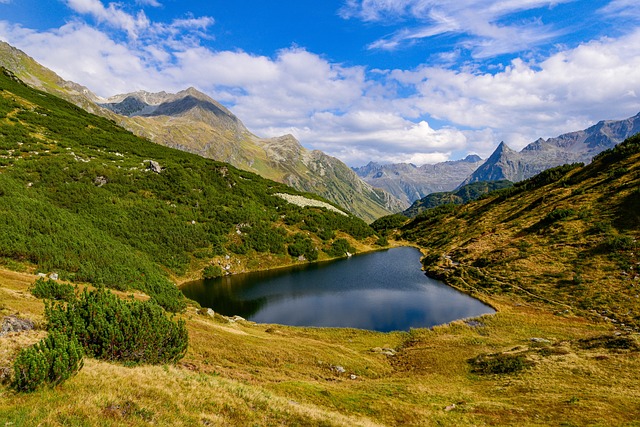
column 416, row 81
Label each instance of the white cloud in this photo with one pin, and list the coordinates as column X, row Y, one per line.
column 567, row 91
column 479, row 21
column 111, row 15
column 426, row 114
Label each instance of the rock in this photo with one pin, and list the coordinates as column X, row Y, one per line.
column 100, row 181
column 353, row 377
column 384, row 350
column 539, row 340
column 339, row 369
column 237, row 319
column 41, row 275
column 154, row 166
column 53, row 276
column 210, row 312
column 450, row 407
column 15, row 324
column 5, row 376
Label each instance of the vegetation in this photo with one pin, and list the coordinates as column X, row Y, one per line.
column 567, row 237
column 51, row 361
column 114, row 329
column 52, row 289
column 562, row 348
column 461, row 196
column 79, row 196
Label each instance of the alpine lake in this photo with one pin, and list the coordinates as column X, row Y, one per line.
column 381, row 291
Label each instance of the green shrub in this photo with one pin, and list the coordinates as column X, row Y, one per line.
column 302, row 246
column 498, row 363
column 339, row 248
column 51, row 361
column 212, row 272
column 52, row 289
column 114, row 329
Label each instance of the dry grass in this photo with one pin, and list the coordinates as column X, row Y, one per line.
column 240, row 373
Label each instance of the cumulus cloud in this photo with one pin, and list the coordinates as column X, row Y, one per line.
column 569, row 90
column 479, row 21
column 421, row 115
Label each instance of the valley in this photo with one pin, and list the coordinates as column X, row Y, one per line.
column 555, row 254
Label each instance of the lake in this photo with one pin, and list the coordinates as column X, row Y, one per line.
column 382, row 291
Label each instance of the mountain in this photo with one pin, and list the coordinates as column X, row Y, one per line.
column 191, row 121
column 409, row 182
column 462, row 195
column 90, row 201
column 573, row 147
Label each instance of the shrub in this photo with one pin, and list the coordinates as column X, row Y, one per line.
column 498, row 363
column 114, row 329
column 52, row 289
column 51, row 361
column 339, row 248
column 212, row 272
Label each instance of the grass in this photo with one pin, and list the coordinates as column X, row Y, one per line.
column 241, row 373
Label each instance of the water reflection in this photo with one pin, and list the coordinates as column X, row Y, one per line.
column 381, row 291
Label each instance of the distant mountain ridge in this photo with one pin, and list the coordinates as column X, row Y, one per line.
column 409, row 182
column 574, row 147
column 191, row 121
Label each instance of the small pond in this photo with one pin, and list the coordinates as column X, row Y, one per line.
column 382, row 291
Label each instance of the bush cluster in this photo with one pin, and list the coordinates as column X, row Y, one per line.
column 52, row 289
column 114, row 329
column 53, row 360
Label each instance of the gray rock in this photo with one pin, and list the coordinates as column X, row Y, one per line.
column 53, row 276
column 15, row 324
column 154, row 166
column 339, row 369
column 539, row 340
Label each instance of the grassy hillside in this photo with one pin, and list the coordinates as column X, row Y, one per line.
column 566, row 237
column 79, row 197
column 221, row 137
column 464, row 194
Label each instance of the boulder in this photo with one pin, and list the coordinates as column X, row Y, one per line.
column 15, row 324
column 154, row 166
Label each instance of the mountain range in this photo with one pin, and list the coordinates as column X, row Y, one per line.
column 409, row 182
column 573, row 147
column 191, row 121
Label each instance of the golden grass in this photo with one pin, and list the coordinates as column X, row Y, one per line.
column 241, row 373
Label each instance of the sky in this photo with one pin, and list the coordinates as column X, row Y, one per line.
column 420, row 81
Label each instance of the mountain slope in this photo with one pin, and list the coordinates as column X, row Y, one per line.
column 87, row 199
column 409, row 183
column 568, row 237
column 462, row 195
column 573, row 147
column 193, row 122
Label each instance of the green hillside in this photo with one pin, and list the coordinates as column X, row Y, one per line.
column 79, row 197
column 567, row 237
column 462, row 195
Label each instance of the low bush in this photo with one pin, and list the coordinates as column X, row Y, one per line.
column 340, row 248
column 114, row 329
column 52, row 289
column 498, row 363
column 212, row 272
column 51, row 361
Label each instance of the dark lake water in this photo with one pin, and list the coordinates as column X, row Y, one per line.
column 382, row 291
